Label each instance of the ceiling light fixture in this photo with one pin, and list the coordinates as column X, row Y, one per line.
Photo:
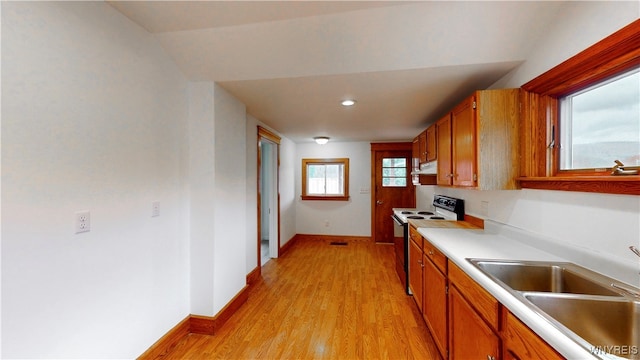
column 348, row 102
column 321, row 140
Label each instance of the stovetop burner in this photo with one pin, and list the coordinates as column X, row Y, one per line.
column 407, row 212
column 436, row 218
column 425, row 213
column 415, row 217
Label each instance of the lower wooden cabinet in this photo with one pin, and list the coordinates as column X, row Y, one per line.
column 466, row 321
column 469, row 335
column 435, row 303
column 521, row 343
column 415, row 272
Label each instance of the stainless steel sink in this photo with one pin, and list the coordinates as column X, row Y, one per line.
column 599, row 313
column 607, row 324
column 556, row 277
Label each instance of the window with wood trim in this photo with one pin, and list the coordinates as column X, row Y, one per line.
column 325, row 179
column 545, row 131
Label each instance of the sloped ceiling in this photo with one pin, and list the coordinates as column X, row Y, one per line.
column 291, row 63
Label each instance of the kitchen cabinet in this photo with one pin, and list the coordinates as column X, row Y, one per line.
column 422, row 146
column 473, row 319
column 435, row 295
column 520, row 342
column 484, row 142
column 470, row 337
column 443, row 135
column 464, row 319
column 415, row 266
column 431, row 147
column 419, row 179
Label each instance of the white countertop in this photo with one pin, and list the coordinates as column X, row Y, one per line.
column 460, row 244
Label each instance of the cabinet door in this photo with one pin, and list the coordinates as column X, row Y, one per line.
column 422, row 142
column 435, row 304
column 520, row 342
column 432, row 150
column 469, row 336
column 415, row 272
column 464, row 143
column 443, row 133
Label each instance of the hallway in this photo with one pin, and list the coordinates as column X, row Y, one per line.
column 321, row 301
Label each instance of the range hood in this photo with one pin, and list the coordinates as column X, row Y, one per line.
column 429, row 168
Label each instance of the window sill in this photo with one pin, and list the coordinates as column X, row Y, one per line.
column 628, row 185
column 325, row 198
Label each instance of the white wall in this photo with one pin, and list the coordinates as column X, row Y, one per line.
column 218, row 197
column 230, row 234
column 601, row 223
column 202, row 199
column 288, row 215
column 351, row 217
column 94, row 118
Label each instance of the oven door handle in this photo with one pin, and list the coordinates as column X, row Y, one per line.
column 396, row 220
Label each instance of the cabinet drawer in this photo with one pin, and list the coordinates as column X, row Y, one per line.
column 485, row 304
column 435, row 255
column 520, row 342
column 415, row 236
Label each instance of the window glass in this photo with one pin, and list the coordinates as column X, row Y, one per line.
column 325, row 179
column 394, row 172
column 601, row 124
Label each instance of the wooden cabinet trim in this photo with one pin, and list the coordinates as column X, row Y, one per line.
column 614, row 54
column 486, row 305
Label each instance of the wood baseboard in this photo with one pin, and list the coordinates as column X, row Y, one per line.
column 284, row 248
column 195, row 324
column 254, row 275
column 204, row 325
column 332, row 237
column 168, row 341
column 223, row 315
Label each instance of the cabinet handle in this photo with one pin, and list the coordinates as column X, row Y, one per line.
column 489, row 357
column 431, row 252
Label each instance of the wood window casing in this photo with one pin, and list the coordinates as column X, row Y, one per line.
column 540, row 170
column 341, row 161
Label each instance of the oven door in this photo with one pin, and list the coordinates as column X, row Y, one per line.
column 401, row 246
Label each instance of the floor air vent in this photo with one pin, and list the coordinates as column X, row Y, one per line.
column 339, row 243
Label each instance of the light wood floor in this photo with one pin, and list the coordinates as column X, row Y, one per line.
column 321, row 301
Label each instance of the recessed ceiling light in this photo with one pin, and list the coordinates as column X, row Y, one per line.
column 348, row 102
column 321, row 140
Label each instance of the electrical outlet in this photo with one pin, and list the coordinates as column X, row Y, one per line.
column 83, row 222
column 155, row 208
column 326, row 223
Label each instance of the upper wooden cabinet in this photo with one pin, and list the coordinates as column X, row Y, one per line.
column 431, row 146
column 443, row 133
column 422, row 145
column 484, row 141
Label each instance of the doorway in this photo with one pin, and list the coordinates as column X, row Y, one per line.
column 268, row 196
column 391, row 187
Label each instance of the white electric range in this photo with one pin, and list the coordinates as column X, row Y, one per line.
column 444, row 208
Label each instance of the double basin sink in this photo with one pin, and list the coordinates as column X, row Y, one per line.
column 599, row 313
